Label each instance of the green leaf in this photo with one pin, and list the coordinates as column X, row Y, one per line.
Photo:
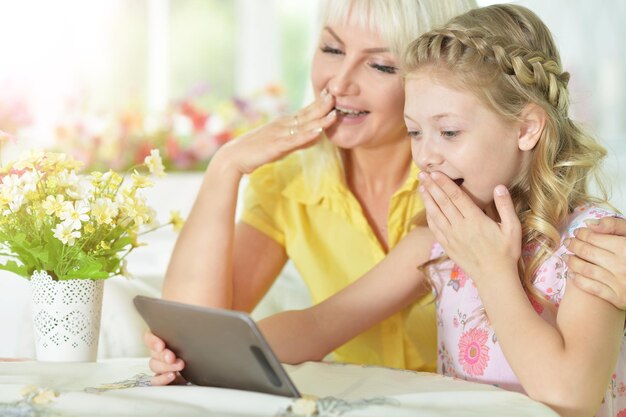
column 16, row 268
column 84, row 267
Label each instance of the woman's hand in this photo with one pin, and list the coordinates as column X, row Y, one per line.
column 163, row 362
column 280, row 137
column 479, row 245
column 598, row 265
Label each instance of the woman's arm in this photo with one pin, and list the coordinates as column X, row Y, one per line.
column 599, row 264
column 567, row 365
column 310, row 334
column 394, row 283
column 214, row 263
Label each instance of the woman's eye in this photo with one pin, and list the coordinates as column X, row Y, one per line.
column 330, row 50
column 449, row 133
column 414, row 134
column 387, row 69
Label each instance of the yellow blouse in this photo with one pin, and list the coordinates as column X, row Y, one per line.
column 331, row 244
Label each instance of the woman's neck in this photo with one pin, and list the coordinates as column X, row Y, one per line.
column 377, row 170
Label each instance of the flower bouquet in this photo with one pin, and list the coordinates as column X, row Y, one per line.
column 68, row 232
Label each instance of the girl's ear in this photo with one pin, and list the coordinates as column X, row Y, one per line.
column 533, row 121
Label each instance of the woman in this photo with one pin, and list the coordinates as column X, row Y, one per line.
column 334, row 209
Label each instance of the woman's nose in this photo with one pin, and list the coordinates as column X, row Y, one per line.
column 344, row 82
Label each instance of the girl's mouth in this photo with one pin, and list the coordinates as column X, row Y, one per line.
column 459, row 181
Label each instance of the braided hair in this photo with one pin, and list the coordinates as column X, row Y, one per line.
column 506, row 56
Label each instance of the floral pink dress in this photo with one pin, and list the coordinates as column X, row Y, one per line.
column 467, row 345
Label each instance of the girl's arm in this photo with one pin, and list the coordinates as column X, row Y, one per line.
column 310, row 334
column 215, row 263
column 566, row 365
column 599, row 264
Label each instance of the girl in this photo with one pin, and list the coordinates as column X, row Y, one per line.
column 487, row 104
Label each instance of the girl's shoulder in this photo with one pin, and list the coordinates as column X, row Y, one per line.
column 585, row 212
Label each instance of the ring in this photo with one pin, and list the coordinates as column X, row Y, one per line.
column 291, row 131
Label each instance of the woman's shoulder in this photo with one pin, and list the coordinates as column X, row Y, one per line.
column 277, row 175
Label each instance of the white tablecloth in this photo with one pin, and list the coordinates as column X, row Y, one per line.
column 120, row 387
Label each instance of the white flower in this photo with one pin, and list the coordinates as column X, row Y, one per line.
column 16, row 202
column 103, row 210
column 67, row 179
column 10, row 186
column 28, row 182
column 154, row 163
column 79, row 190
column 66, row 233
column 75, row 214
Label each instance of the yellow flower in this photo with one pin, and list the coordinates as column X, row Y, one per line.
column 141, row 181
column 45, row 396
column 103, row 210
column 104, row 245
column 53, row 205
column 177, row 221
column 304, row 407
column 154, row 163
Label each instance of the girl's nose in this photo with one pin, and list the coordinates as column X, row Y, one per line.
column 429, row 156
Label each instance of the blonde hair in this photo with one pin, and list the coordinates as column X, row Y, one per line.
column 506, row 56
column 398, row 22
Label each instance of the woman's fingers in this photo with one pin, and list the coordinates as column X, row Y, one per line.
column 153, row 342
column 159, row 366
column 598, row 289
column 163, row 379
column 608, row 225
column 321, row 106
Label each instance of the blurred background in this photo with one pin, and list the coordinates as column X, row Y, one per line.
column 107, row 80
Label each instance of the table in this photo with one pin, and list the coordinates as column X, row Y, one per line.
column 120, row 387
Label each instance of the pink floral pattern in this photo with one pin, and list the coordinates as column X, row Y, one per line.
column 474, row 352
column 462, row 323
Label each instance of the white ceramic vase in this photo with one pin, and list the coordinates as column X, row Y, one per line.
column 66, row 318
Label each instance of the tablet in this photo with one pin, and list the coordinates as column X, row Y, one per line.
column 221, row 348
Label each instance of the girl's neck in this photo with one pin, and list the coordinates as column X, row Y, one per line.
column 377, row 170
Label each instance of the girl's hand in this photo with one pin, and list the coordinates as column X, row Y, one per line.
column 163, row 362
column 280, row 137
column 598, row 265
column 479, row 245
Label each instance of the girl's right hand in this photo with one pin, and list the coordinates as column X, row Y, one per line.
column 163, row 362
column 280, row 137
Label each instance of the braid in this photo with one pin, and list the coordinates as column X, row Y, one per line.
column 531, row 68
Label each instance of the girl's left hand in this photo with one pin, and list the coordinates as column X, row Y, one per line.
column 598, row 265
column 480, row 246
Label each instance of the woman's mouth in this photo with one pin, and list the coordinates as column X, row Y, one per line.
column 459, row 181
column 350, row 113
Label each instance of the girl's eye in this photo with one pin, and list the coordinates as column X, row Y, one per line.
column 330, row 50
column 414, row 134
column 450, row 133
column 387, row 69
